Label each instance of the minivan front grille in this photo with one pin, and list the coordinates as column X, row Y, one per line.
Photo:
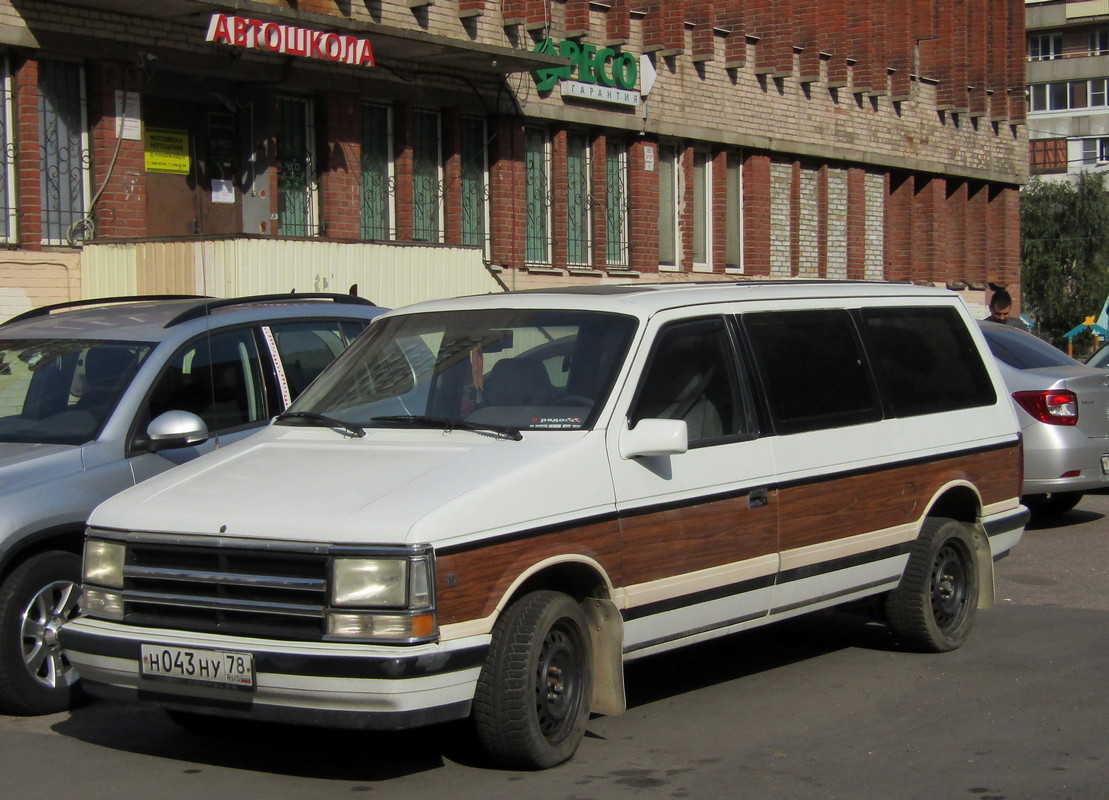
column 236, row 591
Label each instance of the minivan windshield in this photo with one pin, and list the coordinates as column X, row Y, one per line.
column 61, row 391
column 500, row 370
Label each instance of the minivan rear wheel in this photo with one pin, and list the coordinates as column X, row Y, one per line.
column 934, row 606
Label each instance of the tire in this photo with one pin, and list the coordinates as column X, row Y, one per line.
column 532, row 699
column 36, row 598
column 933, row 608
column 1051, row 505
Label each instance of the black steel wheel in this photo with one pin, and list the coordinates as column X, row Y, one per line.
column 532, row 699
column 934, row 606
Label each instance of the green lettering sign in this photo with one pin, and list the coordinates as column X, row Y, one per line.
column 588, row 64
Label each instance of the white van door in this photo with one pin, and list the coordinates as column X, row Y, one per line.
column 699, row 527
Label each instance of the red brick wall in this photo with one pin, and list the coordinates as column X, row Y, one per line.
column 27, row 130
column 340, row 184
column 756, row 214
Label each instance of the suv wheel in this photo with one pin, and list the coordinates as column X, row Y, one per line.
column 35, row 600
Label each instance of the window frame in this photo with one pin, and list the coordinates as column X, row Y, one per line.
column 384, row 173
column 700, row 245
column 54, row 214
column 9, row 211
column 310, row 226
column 427, row 169
column 617, row 217
column 669, row 164
column 579, row 159
column 474, row 200
column 537, row 198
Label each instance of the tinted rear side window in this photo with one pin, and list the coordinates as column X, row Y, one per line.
column 925, row 361
column 813, row 369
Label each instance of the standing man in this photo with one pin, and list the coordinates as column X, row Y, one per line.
column 1000, row 305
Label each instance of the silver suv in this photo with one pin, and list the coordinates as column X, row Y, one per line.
column 96, row 396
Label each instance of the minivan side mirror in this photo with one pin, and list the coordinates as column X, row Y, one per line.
column 654, row 437
column 175, row 429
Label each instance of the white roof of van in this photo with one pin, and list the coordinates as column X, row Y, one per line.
column 648, row 298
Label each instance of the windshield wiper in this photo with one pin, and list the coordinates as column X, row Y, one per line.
column 448, row 424
column 322, row 420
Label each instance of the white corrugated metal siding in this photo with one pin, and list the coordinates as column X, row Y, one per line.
column 388, row 274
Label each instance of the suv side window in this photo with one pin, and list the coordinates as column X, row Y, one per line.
column 813, row 369
column 305, row 348
column 219, row 378
column 925, row 360
column 692, row 375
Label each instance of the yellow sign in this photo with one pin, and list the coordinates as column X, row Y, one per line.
column 167, row 151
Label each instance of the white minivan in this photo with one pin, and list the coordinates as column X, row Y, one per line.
column 488, row 505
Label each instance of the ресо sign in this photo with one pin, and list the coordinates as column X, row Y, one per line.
column 603, row 67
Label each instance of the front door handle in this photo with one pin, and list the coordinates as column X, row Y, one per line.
column 758, row 497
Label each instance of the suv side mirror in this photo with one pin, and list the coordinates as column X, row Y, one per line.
column 654, row 437
column 175, row 429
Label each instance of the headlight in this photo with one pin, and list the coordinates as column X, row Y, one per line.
column 370, row 582
column 381, row 582
column 105, row 605
column 104, row 563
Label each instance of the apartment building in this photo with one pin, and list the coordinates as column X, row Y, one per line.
column 1068, row 78
column 407, row 149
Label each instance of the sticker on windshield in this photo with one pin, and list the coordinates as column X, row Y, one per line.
column 556, row 422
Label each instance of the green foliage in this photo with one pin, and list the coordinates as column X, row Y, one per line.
column 1064, row 251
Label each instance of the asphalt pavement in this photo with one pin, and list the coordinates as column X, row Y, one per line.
column 825, row 706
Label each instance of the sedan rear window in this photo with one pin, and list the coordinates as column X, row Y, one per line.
column 1023, row 350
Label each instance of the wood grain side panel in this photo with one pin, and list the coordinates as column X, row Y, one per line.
column 826, row 510
column 681, row 540
column 469, row 584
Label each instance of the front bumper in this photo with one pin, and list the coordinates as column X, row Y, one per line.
column 318, row 683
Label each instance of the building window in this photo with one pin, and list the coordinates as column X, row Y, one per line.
column 1095, row 151
column 1046, row 46
column 537, row 170
column 296, row 177
column 668, row 205
column 734, row 212
column 577, row 199
column 475, row 183
column 1047, row 155
column 7, row 156
column 1067, row 95
column 376, row 179
column 616, row 202
column 427, row 194
column 63, row 153
column 702, row 209
column 1099, row 42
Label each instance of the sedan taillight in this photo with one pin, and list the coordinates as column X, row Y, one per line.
column 1052, row 406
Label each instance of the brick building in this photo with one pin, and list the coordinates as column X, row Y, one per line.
column 421, row 148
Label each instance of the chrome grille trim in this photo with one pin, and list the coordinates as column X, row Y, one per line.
column 217, row 604
column 226, row 579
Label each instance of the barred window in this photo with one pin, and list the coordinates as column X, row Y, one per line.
column 537, row 169
column 577, row 199
column 297, row 205
column 616, row 202
column 377, row 172
column 475, row 183
column 64, row 154
column 7, row 156
column 427, row 192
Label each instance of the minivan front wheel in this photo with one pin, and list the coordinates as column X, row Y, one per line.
column 532, row 699
column 38, row 596
column 934, row 606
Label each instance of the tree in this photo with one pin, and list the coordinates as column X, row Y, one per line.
column 1064, row 251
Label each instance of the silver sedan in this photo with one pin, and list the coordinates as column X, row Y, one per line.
column 1063, row 409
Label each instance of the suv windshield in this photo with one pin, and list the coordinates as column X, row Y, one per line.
column 496, row 369
column 60, row 391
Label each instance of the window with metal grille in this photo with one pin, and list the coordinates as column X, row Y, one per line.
column 667, row 205
column 376, row 176
column 7, row 156
column 426, row 177
column 296, row 179
column 64, row 154
column 616, row 202
column 475, row 183
column 734, row 212
column 577, row 199
column 537, row 170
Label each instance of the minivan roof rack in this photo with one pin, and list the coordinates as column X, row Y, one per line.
column 204, row 309
column 44, row 311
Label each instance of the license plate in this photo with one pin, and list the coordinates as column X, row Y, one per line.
column 1105, row 465
column 221, row 668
